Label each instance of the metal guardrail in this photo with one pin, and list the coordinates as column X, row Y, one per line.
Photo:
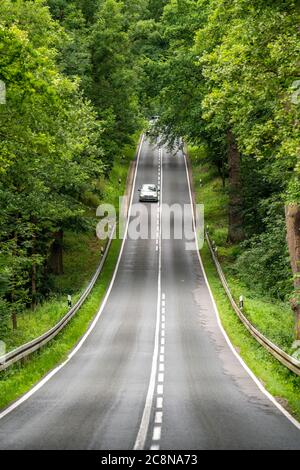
column 25, row 350
column 285, row 359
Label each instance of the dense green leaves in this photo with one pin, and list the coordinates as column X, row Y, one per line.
column 231, row 68
column 219, row 73
column 71, row 106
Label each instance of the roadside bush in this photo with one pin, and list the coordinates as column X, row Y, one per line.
column 264, row 263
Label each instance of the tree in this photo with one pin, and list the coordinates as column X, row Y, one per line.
column 114, row 80
column 225, row 77
column 50, row 152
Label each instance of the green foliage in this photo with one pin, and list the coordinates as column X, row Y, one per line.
column 114, row 76
column 232, row 66
column 259, row 267
column 81, row 252
column 264, row 258
column 71, row 106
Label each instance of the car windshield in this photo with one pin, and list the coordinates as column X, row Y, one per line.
column 149, row 187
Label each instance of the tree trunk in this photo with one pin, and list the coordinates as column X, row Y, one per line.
column 14, row 320
column 292, row 217
column 235, row 229
column 56, row 255
column 33, row 287
column 33, row 274
column 221, row 172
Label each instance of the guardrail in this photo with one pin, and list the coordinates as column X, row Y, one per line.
column 285, row 359
column 25, row 350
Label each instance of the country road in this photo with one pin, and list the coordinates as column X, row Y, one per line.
column 156, row 371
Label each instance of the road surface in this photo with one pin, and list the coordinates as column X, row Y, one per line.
column 156, row 371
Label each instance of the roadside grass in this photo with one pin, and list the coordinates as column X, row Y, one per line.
column 19, row 378
column 273, row 318
column 81, row 258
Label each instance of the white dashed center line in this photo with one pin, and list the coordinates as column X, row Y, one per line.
column 159, row 403
column 156, row 433
column 158, row 417
column 158, row 413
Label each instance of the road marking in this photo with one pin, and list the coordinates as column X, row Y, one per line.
column 158, row 413
column 155, row 447
column 145, row 421
column 216, row 311
column 161, row 358
column 161, row 377
column 156, row 433
column 159, row 402
column 42, row 382
column 158, row 417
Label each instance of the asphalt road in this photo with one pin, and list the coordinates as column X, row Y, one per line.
column 156, row 371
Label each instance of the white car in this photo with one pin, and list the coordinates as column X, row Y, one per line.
column 148, row 193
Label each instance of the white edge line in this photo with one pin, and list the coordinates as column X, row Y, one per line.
column 145, row 421
column 42, row 382
column 254, row 378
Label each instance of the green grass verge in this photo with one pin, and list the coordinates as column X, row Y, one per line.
column 81, row 255
column 273, row 318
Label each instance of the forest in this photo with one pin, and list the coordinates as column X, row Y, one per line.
column 83, row 76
